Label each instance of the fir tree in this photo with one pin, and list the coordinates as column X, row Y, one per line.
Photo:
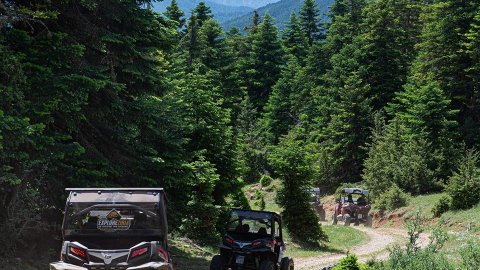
column 294, row 38
column 174, row 13
column 202, row 13
column 309, row 20
column 267, row 58
column 441, row 58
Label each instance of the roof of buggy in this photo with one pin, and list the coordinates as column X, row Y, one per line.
column 115, row 195
column 256, row 214
column 355, row 191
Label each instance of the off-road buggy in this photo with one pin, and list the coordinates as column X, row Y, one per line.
column 253, row 240
column 114, row 229
column 315, row 202
column 353, row 206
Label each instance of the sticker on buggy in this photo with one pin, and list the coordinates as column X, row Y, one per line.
column 113, row 221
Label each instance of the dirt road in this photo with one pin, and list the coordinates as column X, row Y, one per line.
column 380, row 241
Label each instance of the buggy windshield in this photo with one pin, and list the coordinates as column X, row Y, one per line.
column 253, row 223
column 106, row 220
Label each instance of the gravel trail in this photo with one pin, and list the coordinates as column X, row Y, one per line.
column 377, row 247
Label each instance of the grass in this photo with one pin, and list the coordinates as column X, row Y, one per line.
column 456, row 220
column 188, row 255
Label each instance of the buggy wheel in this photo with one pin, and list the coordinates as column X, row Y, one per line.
column 369, row 221
column 287, row 264
column 267, row 265
column 346, row 220
column 334, row 219
column 216, row 263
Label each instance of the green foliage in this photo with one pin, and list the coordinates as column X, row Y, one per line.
column 309, row 16
column 348, row 263
column 263, row 69
column 414, row 257
column 464, row 185
column 391, row 199
column 441, row 206
column 174, row 13
column 290, row 161
column 294, row 38
column 266, row 180
column 470, row 254
column 396, row 158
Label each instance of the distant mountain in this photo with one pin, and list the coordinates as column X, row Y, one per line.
column 280, row 11
column 245, row 3
column 222, row 13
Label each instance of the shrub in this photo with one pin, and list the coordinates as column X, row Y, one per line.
column 392, row 199
column 266, row 180
column 464, row 185
column 348, row 263
column 260, row 200
column 442, row 206
column 471, row 255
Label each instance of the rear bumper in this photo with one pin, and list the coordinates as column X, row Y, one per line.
column 149, row 266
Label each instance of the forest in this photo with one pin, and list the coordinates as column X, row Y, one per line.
column 112, row 94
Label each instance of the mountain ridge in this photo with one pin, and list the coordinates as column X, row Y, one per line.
column 280, row 11
column 245, row 3
column 222, row 13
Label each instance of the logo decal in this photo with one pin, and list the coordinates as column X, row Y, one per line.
column 113, row 221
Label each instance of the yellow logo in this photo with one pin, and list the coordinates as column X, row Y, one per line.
column 114, row 214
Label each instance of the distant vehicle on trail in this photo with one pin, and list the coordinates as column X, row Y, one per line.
column 353, row 206
column 315, row 202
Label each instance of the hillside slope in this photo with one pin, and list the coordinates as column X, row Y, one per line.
column 280, row 11
column 222, row 13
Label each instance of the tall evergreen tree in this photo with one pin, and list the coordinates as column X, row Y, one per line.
column 279, row 114
column 442, row 59
column 202, row 13
column 255, row 22
column 191, row 41
column 174, row 13
column 309, row 17
column 471, row 45
column 294, row 38
column 389, row 33
column 267, row 58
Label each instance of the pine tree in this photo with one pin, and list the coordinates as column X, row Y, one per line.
column 345, row 19
column 309, row 17
column 191, row 41
column 294, row 38
column 471, row 45
column 426, row 109
column 174, row 13
column 291, row 161
column 342, row 140
column 442, row 59
column 203, row 13
column 255, row 22
column 279, row 114
column 390, row 31
column 266, row 61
